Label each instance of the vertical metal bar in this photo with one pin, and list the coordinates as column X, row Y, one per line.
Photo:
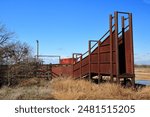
column 132, row 49
column 123, row 39
column 131, row 41
column 73, row 66
column 122, row 20
column 89, row 60
column 98, row 62
column 111, row 48
column 59, row 59
column 123, row 42
column 37, row 49
column 116, row 44
column 80, row 65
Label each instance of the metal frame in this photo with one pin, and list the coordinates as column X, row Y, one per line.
column 97, row 41
column 75, row 56
column 115, row 38
column 55, row 56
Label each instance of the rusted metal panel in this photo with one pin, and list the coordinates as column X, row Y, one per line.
column 105, row 69
column 128, row 53
column 85, row 61
column 94, row 58
column 85, row 65
column 67, row 61
column 94, row 68
column 85, row 68
column 62, row 70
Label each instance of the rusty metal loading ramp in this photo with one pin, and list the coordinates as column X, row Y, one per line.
column 112, row 55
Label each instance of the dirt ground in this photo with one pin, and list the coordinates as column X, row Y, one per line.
column 142, row 73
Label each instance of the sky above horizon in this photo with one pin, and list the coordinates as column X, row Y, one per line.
column 65, row 26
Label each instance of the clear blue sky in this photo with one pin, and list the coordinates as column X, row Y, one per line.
column 65, row 26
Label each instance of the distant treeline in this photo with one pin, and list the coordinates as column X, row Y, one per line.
column 144, row 66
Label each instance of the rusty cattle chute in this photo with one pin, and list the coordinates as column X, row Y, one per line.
column 112, row 55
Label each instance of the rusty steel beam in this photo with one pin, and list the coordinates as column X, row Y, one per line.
column 111, row 48
column 89, row 60
column 80, row 65
column 73, row 66
column 131, row 41
column 116, row 44
column 122, row 20
column 131, row 45
column 123, row 41
column 99, row 61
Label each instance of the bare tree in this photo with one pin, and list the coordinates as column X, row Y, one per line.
column 17, row 56
column 17, row 52
column 5, row 35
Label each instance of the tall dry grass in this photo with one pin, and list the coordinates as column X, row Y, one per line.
column 69, row 89
column 80, row 90
column 29, row 89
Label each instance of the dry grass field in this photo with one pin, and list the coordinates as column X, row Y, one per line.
column 68, row 89
column 80, row 90
column 30, row 89
column 142, row 73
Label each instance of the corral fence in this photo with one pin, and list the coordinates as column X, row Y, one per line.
column 9, row 74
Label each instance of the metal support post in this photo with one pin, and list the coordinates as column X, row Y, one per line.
column 98, row 61
column 80, row 65
column 116, row 44
column 89, row 60
column 131, row 45
column 111, row 48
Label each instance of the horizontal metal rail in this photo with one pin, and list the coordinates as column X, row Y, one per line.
column 122, row 12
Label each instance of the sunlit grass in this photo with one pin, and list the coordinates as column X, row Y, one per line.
column 69, row 89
